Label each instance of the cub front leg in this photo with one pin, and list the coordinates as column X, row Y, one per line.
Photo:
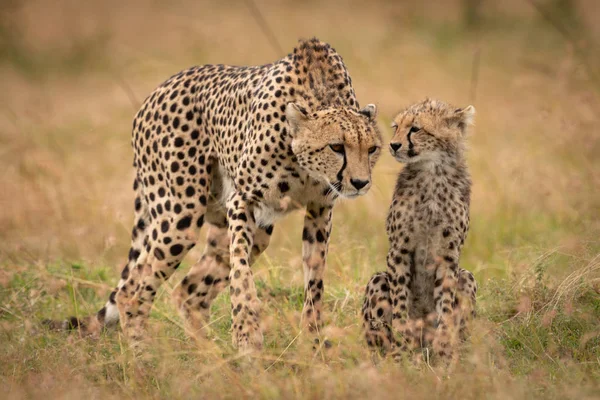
column 315, row 240
column 444, row 294
column 400, row 277
column 245, row 306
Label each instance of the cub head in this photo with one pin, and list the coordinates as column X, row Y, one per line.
column 337, row 145
column 430, row 131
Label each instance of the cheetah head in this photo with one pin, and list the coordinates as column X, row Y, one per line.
column 336, row 145
column 429, row 130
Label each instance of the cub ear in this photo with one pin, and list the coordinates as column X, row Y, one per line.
column 296, row 115
column 370, row 111
column 463, row 117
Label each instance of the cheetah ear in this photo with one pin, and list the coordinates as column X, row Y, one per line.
column 463, row 117
column 370, row 111
column 296, row 115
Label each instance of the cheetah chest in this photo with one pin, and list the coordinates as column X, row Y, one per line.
column 281, row 199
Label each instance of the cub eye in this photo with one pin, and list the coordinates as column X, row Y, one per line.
column 414, row 129
column 373, row 149
column 338, row 148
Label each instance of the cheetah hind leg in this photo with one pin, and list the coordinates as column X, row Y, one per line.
column 205, row 280
column 173, row 233
column 108, row 316
column 377, row 313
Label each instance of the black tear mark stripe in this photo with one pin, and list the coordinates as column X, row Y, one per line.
column 340, row 175
column 410, row 143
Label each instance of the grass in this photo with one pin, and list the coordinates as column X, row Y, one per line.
column 71, row 81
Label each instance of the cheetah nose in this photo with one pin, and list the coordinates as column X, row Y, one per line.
column 395, row 146
column 358, row 184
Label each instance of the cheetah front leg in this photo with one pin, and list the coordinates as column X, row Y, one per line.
column 245, row 306
column 315, row 240
column 210, row 275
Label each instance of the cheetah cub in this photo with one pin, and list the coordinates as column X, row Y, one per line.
column 424, row 297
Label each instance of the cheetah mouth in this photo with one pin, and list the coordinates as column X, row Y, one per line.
column 404, row 156
column 337, row 189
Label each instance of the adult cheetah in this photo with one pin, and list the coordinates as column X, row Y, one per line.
column 427, row 225
column 236, row 148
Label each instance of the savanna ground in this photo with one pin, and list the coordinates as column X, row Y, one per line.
column 72, row 75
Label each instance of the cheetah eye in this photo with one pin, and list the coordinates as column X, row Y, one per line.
column 414, row 129
column 373, row 149
column 338, row 148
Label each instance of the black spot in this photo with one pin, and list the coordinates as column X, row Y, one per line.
column 283, row 186
column 183, row 224
column 192, row 288
column 320, row 237
column 164, row 226
column 208, row 279
column 101, row 314
column 159, row 254
column 307, row 236
column 133, row 254
column 125, row 272
column 176, row 249
column 73, row 323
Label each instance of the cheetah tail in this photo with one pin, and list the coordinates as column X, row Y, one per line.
column 86, row 326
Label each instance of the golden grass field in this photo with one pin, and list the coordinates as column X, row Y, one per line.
column 71, row 77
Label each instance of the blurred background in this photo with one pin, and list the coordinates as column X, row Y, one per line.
column 73, row 73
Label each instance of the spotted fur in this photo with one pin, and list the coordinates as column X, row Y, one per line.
column 427, row 224
column 237, row 148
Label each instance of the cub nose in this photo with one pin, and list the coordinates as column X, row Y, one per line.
column 358, row 184
column 395, row 146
